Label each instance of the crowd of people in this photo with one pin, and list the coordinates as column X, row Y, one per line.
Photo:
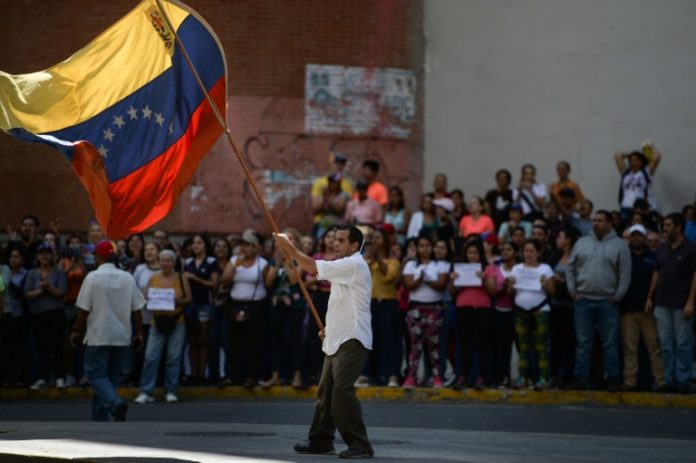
column 458, row 287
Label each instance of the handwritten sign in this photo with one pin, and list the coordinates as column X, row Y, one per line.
column 161, row 299
column 467, row 275
column 527, row 280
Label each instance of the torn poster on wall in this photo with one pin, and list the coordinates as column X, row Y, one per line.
column 360, row 101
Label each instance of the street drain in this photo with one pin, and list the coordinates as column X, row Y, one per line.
column 221, row 434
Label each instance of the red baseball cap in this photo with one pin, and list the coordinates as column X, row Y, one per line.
column 104, row 249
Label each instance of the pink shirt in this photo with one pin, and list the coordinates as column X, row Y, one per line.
column 477, row 297
column 503, row 300
column 367, row 212
column 469, row 226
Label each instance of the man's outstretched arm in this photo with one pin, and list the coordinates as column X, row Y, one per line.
column 304, row 261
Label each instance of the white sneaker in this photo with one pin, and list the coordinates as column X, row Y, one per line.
column 393, row 381
column 363, row 381
column 171, row 398
column 144, row 399
column 60, row 383
column 38, row 385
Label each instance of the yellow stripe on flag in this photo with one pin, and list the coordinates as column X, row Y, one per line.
column 73, row 91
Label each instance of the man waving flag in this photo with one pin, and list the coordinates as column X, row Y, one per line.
column 127, row 112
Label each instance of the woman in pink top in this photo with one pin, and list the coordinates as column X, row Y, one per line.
column 476, row 223
column 503, row 316
column 474, row 312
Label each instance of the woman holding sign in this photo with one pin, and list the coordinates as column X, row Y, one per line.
column 533, row 283
column 167, row 294
column 474, row 281
column 423, row 279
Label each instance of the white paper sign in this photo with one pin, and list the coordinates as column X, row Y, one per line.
column 528, row 280
column 467, row 275
column 160, row 299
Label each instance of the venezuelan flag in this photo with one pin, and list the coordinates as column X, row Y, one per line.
column 127, row 112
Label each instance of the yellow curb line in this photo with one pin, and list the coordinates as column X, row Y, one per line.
column 494, row 396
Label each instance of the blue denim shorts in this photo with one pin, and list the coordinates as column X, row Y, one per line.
column 205, row 312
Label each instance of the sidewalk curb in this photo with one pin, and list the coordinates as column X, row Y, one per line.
column 493, row 396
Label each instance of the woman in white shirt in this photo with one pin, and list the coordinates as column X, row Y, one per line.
column 426, row 279
column 533, row 283
column 142, row 274
column 636, row 179
column 530, row 194
column 246, row 274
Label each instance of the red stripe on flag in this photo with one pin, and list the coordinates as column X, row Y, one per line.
column 155, row 187
column 89, row 167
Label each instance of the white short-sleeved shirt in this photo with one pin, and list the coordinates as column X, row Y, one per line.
column 634, row 186
column 526, row 299
column 527, row 200
column 348, row 316
column 424, row 293
column 248, row 282
column 109, row 295
column 142, row 276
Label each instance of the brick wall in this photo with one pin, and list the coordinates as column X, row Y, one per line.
column 267, row 43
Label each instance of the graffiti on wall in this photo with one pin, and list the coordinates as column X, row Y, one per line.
column 360, row 101
column 287, row 164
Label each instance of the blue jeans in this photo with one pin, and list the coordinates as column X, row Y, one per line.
column 677, row 340
column 590, row 314
column 103, row 366
column 156, row 342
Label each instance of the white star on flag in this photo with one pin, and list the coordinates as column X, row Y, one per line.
column 171, row 128
column 147, row 112
column 103, row 151
column 108, row 134
column 159, row 119
column 133, row 113
column 118, row 120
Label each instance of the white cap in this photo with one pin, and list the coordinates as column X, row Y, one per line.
column 445, row 203
column 637, row 228
column 250, row 237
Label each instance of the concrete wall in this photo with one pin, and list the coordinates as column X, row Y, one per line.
column 515, row 81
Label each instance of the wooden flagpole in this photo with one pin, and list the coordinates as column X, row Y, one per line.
column 242, row 162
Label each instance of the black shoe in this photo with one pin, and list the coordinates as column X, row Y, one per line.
column 314, row 449
column 684, row 388
column 356, row 453
column 575, row 385
column 665, row 389
column 613, row 386
column 119, row 413
column 249, row 384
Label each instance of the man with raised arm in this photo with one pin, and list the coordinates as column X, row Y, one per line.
column 347, row 338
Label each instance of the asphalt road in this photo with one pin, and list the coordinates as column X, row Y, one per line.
column 622, row 422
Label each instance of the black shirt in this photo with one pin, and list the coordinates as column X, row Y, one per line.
column 499, row 202
column 677, row 267
column 642, row 266
column 202, row 295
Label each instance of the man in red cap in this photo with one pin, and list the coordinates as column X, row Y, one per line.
column 108, row 299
